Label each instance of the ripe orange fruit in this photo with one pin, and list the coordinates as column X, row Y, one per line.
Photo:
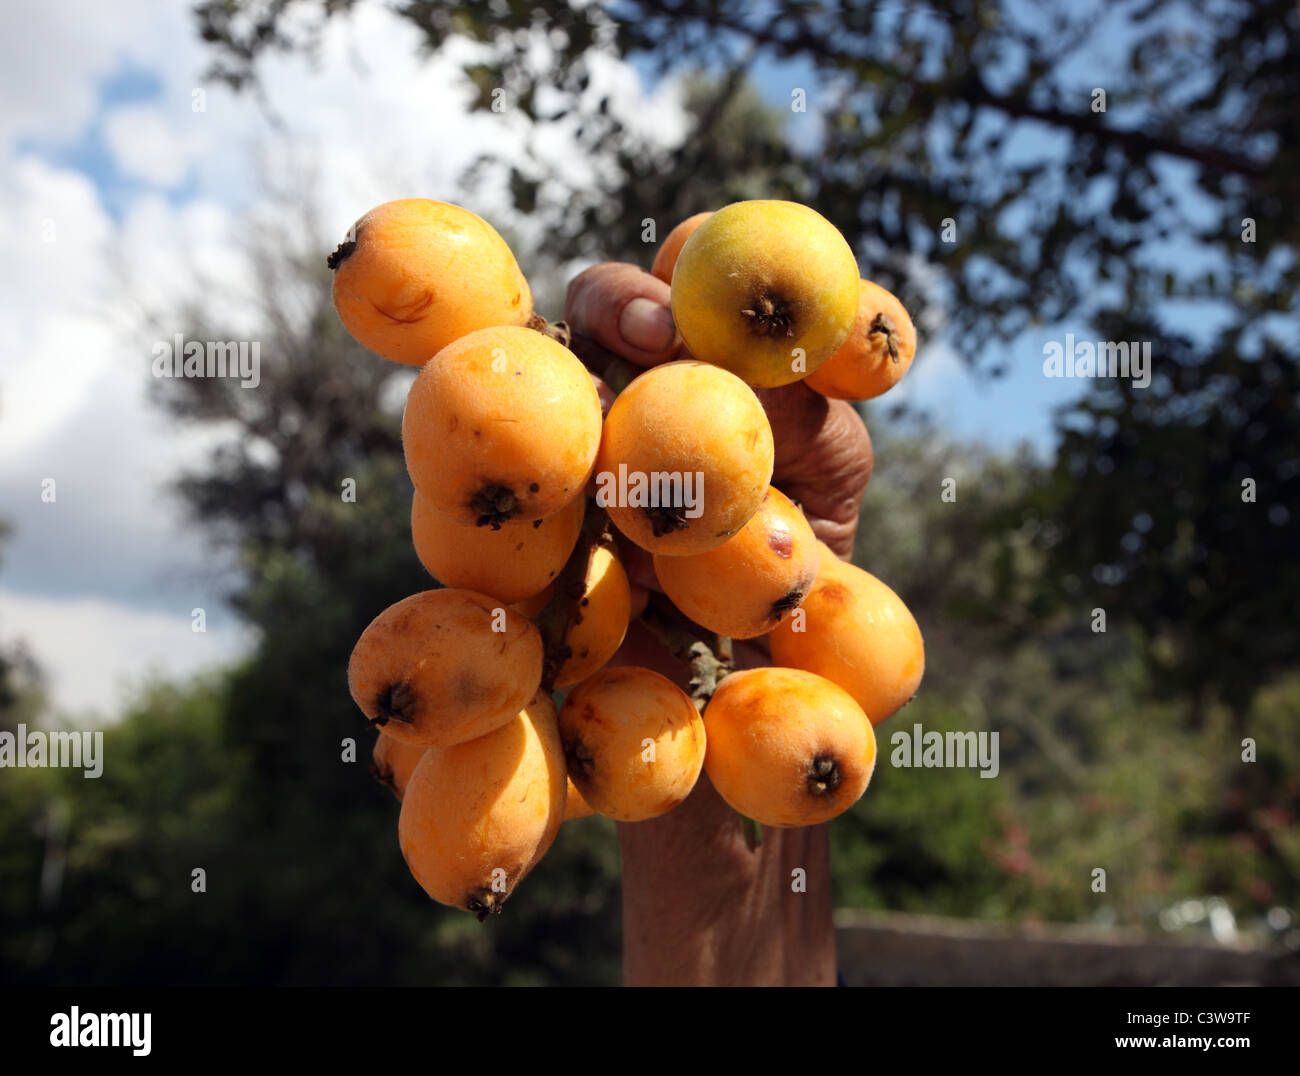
column 766, row 289
column 859, row 634
column 877, row 353
column 574, row 805
column 603, row 614
column 502, row 425
column 787, row 747
column 634, row 742
column 685, row 458
column 666, row 257
column 433, row 669
column 416, row 274
column 513, row 562
column 744, row 587
column 394, row 761
column 604, row 610
column 478, row 816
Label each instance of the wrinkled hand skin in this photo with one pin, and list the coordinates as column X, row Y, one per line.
column 699, row 908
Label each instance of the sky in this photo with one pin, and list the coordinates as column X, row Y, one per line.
column 125, row 182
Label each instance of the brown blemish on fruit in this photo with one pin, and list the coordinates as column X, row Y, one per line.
column 467, row 689
column 590, row 717
column 781, row 541
column 837, row 593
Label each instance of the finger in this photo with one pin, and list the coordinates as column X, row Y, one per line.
column 624, row 309
column 823, row 459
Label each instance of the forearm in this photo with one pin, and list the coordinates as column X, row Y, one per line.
column 701, row 909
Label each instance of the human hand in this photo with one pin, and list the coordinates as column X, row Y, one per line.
column 699, row 906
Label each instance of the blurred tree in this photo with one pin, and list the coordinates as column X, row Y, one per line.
column 21, row 693
column 1182, row 503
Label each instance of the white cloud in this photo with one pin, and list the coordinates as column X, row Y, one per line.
column 94, row 653
column 55, row 54
column 146, row 145
column 51, row 297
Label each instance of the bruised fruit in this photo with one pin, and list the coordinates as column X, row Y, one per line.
column 393, row 762
column 877, row 353
column 853, row 630
column 666, row 257
column 415, row 274
column 634, row 742
column 512, row 562
column 502, row 424
column 745, row 586
column 574, row 805
column 685, row 459
column 445, row 666
column 787, row 747
column 766, row 289
column 477, row 816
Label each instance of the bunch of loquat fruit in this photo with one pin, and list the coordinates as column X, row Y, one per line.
column 498, row 712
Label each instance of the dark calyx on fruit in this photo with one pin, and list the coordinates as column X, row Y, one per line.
column 882, row 325
column 484, row 903
column 770, row 315
column 667, row 518
column 578, row 755
column 344, row 250
column 823, row 776
column 787, row 602
column 494, row 505
column 396, row 702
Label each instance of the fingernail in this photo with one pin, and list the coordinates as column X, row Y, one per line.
column 646, row 325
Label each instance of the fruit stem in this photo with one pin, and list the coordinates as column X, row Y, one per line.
column 708, row 661
column 881, row 324
column 560, row 613
column 558, row 331
column 753, row 833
